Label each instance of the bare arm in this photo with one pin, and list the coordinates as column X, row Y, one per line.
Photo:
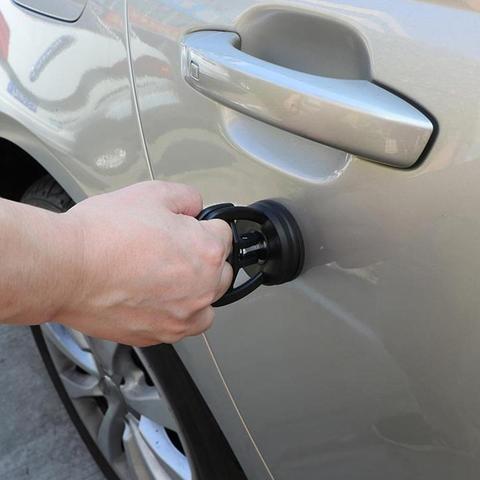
column 133, row 266
column 39, row 267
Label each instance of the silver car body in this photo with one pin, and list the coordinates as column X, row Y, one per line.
column 366, row 365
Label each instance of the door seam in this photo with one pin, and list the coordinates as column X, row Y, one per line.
column 134, row 91
column 234, row 403
column 147, row 157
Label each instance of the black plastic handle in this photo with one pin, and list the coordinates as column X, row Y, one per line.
column 230, row 214
column 271, row 252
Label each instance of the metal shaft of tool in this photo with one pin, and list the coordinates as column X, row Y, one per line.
column 252, row 248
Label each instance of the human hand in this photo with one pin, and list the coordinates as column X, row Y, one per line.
column 149, row 271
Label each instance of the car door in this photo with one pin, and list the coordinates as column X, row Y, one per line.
column 366, row 365
column 65, row 120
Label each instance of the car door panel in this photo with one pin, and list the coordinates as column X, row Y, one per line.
column 67, row 123
column 197, row 357
column 365, row 365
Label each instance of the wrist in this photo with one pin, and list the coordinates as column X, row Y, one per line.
column 67, row 258
column 41, row 259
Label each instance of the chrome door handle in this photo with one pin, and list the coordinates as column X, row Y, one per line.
column 353, row 115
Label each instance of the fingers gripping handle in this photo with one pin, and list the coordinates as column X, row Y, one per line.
column 272, row 253
column 230, row 213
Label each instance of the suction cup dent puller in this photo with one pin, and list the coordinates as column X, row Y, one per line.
column 267, row 244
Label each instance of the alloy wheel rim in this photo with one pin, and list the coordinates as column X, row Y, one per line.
column 127, row 416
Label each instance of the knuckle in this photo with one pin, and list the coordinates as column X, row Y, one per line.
column 182, row 330
column 209, row 298
column 225, row 231
column 203, row 322
column 210, row 315
column 181, row 317
column 195, row 197
column 208, row 319
column 172, row 338
column 204, row 300
column 189, row 192
column 153, row 187
column 175, row 333
column 214, row 252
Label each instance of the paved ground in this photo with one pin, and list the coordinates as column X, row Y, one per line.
column 37, row 439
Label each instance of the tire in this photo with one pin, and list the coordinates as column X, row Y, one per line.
column 163, row 427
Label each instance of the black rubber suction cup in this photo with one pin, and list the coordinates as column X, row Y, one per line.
column 267, row 244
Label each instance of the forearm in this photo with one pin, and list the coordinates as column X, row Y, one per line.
column 132, row 266
column 39, row 257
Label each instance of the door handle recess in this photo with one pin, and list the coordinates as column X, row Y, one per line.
column 353, row 115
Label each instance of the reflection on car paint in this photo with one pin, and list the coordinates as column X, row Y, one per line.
column 113, row 159
column 16, row 93
column 58, row 46
column 4, row 37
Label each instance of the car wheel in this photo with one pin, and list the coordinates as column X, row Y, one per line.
column 138, row 410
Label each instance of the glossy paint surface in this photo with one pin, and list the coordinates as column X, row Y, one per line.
column 66, row 96
column 365, row 366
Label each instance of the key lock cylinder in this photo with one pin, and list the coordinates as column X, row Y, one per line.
column 267, row 245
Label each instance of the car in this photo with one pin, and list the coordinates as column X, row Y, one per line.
column 361, row 117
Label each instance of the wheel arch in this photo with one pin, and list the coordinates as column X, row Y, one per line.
column 24, row 158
